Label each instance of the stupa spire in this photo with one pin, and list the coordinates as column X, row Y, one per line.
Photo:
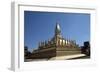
column 57, row 29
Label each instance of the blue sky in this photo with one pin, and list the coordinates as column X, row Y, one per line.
column 40, row 26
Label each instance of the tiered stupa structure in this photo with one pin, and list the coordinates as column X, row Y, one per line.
column 56, row 46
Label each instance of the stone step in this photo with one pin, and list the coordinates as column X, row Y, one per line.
column 67, row 57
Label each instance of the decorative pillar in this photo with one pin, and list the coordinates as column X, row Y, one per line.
column 39, row 44
column 69, row 42
column 58, row 42
column 45, row 43
column 66, row 42
column 62, row 42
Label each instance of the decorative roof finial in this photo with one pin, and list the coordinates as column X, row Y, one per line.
column 57, row 29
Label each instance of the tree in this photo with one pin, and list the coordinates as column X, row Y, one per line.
column 27, row 54
column 86, row 48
